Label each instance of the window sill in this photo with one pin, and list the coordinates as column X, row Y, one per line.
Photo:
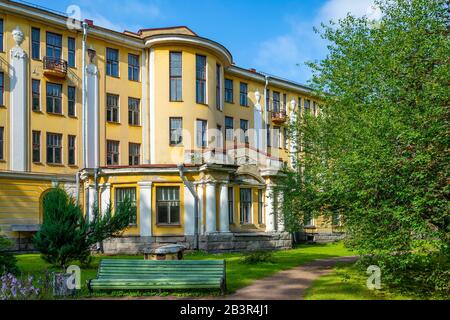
column 2, row 161
column 176, row 101
column 38, row 163
column 135, row 125
column 135, row 81
column 73, row 166
column 2, row 106
column 111, row 76
column 38, row 111
column 202, row 104
column 73, row 117
column 56, row 165
column 113, row 123
column 37, row 59
column 164, row 225
column 56, row 114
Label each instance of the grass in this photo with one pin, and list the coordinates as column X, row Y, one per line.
column 239, row 274
column 347, row 282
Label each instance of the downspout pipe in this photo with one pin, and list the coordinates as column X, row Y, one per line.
column 191, row 189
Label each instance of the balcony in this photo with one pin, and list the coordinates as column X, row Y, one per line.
column 54, row 67
column 278, row 117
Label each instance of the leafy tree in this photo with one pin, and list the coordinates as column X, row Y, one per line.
column 67, row 235
column 7, row 260
column 378, row 152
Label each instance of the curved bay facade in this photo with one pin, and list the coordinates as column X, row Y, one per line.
column 162, row 115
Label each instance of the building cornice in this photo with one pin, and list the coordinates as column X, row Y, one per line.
column 197, row 41
column 37, row 176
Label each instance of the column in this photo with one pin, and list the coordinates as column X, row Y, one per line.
column 105, row 197
column 189, row 212
column 92, row 149
column 224, row 214
column 279, row 214
column 18, row 123
column 91, row 202
column 270, row 213
column 201, row 209
column 145, row 209
column 211, row 208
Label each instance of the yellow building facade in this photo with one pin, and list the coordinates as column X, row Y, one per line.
column 163, row 116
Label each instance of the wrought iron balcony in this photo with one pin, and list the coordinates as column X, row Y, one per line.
column 278, row 117
column 55, row 67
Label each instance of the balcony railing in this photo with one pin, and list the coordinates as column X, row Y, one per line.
column 55, row 67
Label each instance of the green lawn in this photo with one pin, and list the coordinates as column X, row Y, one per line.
column 347, row 282
column 238, row 273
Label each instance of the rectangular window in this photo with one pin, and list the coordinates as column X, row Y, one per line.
column 112, row 153
column 260, row 207
column 244, row 94
column 127, row 193
column 54, row 91
column 176, row 76
column 134, row 154
column 71, row 100
column 1, row 35
column 36, row 146
column 231, row 204
column 285, row 138
column 229, row 128
column 246, row 205
column 229, row 91
column 54, row 148
column 134, row 117
column 2, row 142
column 54, row 46
column 284, row 106
column 112, row 62
column 307, row 106
column 202, row 127
column 244, row 131
column 276, row 137
column 218, row 86
column 276, row 102
column 267, row 100
column 2, row 88
column 112, row 108
column 269, row 136
column 168, row 205
column 72, row 142
column 133, row 67
column 36, row 94
column 71, row 52
column 35, row 43
column 175, row 131
column 201, row 79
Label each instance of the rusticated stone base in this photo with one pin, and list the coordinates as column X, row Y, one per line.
column 217, row 242
column 319, row 237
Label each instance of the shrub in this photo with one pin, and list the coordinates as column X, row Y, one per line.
column 7, row 260
column 255, row 257
column 66, row 235
column 13, row 288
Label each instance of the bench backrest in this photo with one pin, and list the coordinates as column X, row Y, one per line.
column 124, row 269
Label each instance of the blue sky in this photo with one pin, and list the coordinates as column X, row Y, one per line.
column 272, row 36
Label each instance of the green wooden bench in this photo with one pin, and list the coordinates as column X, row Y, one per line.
column 115, row 274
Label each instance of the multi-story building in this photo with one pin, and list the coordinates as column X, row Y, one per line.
column 163, row 116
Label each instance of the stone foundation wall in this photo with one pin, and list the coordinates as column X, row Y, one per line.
column 320, row 237
column 229, row 242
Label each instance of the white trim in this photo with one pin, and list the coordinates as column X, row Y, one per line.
column 145, row 208
column 152, row 73
column 145, row 157
column 211, row 207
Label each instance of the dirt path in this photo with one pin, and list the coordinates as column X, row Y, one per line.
column 285, row 285
column 289, row 284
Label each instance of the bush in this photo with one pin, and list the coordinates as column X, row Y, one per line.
column 66, row 235
column 7, row 260
column 255, row 257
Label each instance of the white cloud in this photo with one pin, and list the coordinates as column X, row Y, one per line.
column 286, row 54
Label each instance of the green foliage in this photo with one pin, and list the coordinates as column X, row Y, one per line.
column 7, row 260
column 378, row 152
column 260, row 256
column 66, row 235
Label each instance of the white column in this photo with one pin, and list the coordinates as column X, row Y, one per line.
column 279, row 215
column 105, row 197
column 224, row 214
column 91, row 202
column 201, row 209
column 92, row 155
column 211, row 208
column 189, row 212
column 270, row 213
column 145, row 209
column 18, row 136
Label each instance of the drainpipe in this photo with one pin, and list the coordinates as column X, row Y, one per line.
column 191, row 188
column 84, row 89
